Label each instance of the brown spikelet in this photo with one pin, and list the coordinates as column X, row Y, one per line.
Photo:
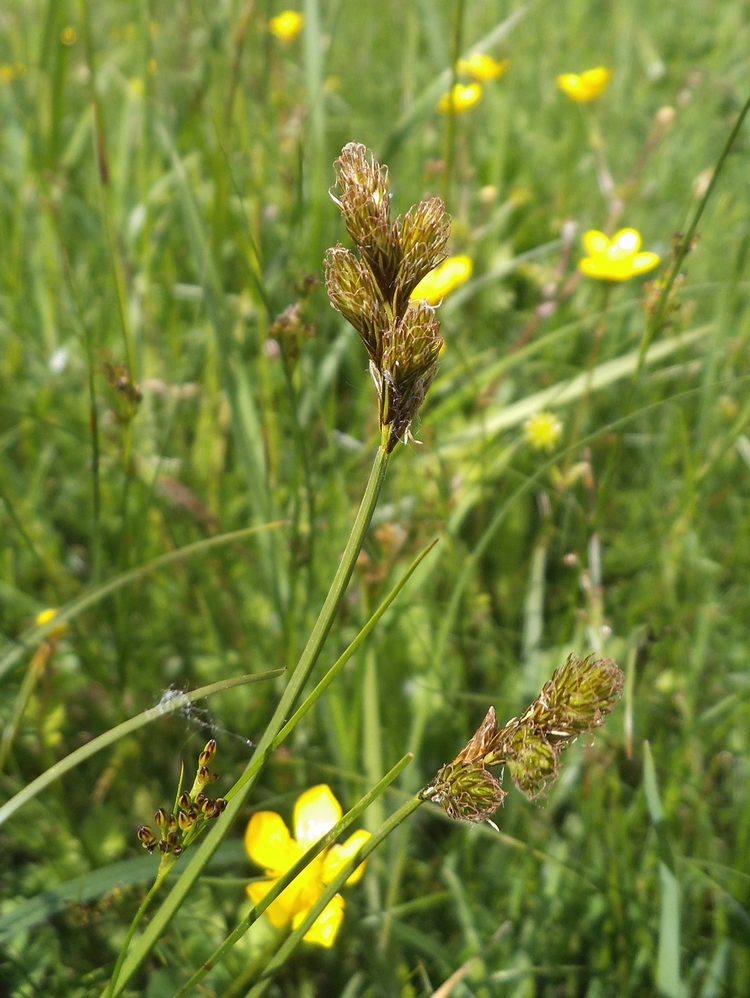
column 372, row 291
column 576, row 699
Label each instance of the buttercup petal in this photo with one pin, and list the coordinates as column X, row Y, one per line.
column 299, row 896
column 337, row 856
column 596, row 78
column 627, row 240
column 269, row 844
column 315, row 813
column 586, row 86
column 482, row 67
column 569, row 83
column 460, row 98
column 446, row 277
column 645, row 261
column 286, row 26
column 325, row 928
column 592, row 267
column 595, row 242
column 281, row 911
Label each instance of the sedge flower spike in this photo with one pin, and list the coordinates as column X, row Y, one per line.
column 270, row 846
column 482, row 68
column 460, row 98
column 585, row 87
column 576, row 699
column 286, row 26
column 446, row 277
column 373, row 290
column 616, row 259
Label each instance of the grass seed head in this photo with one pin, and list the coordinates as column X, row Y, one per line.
column 577, row 698
column 373, row 291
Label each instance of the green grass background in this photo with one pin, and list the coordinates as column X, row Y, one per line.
column 166, row 230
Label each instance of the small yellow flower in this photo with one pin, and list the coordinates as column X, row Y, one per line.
column 449, row 275
column 286, row 26
column 482, row 68
column 7, row 74
column 45, row 617
column 586, row 87
column 269, row 845
column 69, row 35
column 617, row 259
column 460, row 99
column 542, row 431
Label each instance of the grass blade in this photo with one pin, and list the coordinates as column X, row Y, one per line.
column 425, row 103
column 164, row 707
column 299, row 677
column 668, row 978
column 602, row 376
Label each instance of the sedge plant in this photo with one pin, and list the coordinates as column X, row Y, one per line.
column 373, row 288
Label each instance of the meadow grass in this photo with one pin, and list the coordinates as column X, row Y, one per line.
column 163, row 199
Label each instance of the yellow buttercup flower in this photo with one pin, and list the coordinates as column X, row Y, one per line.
column 443, row 279
column 286, row 26
column 7, row 73
column 616, row 259
column 269, row 845
column 460, row 98
column 586, row 86
column 482, row 67
column 542, row 430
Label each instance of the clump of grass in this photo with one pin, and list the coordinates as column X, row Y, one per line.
column 162, row 199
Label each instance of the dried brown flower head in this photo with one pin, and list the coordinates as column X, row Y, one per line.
column 577, row 698
column 372, row 291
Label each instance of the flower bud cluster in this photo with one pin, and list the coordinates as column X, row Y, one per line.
column 372, row 290
column 192, row 811
column 576, row 699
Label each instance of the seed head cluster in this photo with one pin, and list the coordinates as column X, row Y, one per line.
column 576, row 699
column 372, row 289
column 192, row 811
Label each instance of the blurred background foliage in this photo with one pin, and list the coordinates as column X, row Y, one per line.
column 163, row 200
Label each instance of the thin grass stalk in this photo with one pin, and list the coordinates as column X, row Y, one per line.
column 292, row 873
column 244, row 785
column 316, row 138
column 34, row 673
column 449, row 152
column 336, row 668
column 168, row 706
column 686, row 242
column 144, row 906
column 660, row 311
column 583, row 402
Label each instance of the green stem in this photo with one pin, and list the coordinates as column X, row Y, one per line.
column 686, row 243
column 33, row 674
column 660, row 311
column 160, row 877
column 583, row 402
column 450, row 122
column 297, row 680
